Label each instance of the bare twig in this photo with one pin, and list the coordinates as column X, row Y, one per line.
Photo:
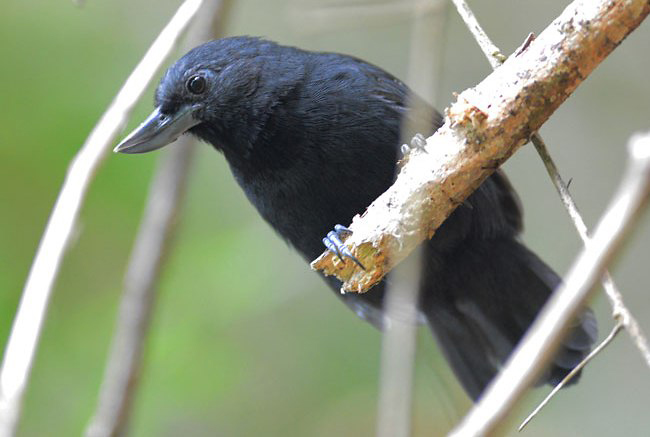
column 490, row 50
column 615, row 330
column 394, row 417
column 149, row 252
column 540, row 343
column 152, row 244
column 483, row 128
column 26, row 329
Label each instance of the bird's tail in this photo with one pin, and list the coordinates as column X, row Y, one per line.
column 487, row 296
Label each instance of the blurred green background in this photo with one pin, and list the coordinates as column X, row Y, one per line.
column 274, row 353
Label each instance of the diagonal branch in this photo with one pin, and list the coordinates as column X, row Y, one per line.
column 486, row 125
column 620, row 311
column 540, row 343
column 27, row 325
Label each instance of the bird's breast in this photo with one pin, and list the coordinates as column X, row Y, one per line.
column 303, row 205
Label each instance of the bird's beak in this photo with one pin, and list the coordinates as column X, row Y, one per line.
column 158, row 130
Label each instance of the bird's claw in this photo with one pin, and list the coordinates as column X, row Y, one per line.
column 335, row 245
column 418, row 142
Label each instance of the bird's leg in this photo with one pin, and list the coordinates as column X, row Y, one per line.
column 335, row 245
column 418, row 142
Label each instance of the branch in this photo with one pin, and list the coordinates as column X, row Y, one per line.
column 153, row 242
column 483, row 128
column 149, row 252
column 27, row 325
column 540, row 343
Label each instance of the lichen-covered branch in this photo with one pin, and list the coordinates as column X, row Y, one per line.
column 483, row 128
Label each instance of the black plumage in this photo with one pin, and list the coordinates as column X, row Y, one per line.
column 313, row 139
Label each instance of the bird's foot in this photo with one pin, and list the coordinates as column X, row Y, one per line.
column 334, row 244
column 418, row 142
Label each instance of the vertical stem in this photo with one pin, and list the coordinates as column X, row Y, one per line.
column 153, row 242
column 398, row 352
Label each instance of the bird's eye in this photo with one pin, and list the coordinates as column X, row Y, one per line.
column 196, row 84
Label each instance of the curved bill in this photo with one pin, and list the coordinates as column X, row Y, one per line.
column 158, row 130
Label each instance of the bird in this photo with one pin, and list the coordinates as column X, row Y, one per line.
column 313, row 138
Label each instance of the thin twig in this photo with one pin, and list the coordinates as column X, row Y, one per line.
column 491, row 51
column 615, row 330
column 149, row 252
column 153, row 242
column 541, row 341
column 26, row 329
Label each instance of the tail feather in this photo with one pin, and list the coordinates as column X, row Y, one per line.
column 473, row 363
column 486, row 296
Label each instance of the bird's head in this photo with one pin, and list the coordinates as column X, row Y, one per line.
column 217, row 91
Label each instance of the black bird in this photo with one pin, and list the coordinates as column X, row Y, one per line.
column 313, row 139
